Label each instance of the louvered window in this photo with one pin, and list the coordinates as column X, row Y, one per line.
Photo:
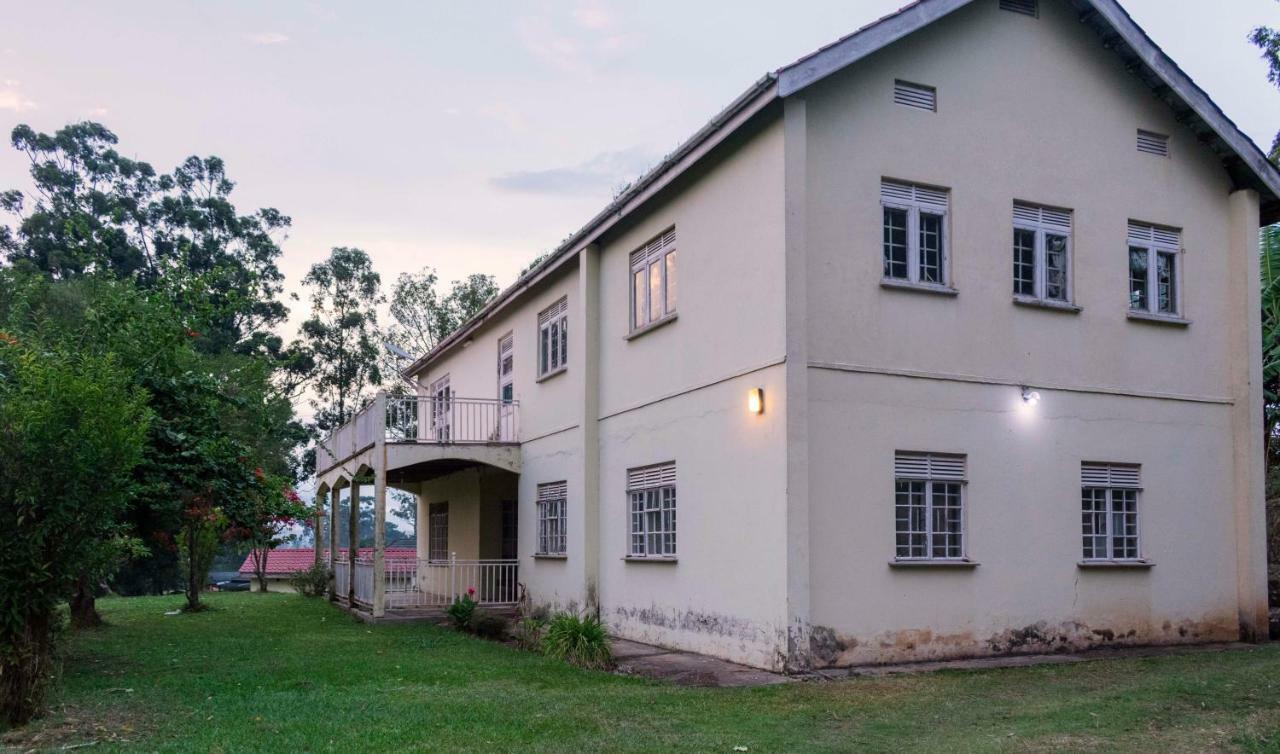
column 915, row 233
column 553, row 338
column 553, row 518
column 653, row 281
column 1025, row 7
column 929, row 506
column 651, row 495
column 1153, row 143
column 1109, row 510
column 918, row 96
column 1154, row 274
column 1041, row 253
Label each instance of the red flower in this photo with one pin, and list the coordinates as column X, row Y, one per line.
column 259, row 473
column 192, row 333
column 471, row 591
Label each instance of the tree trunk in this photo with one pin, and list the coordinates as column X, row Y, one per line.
column 260, row 566
column 193, row 579
column 84, row 610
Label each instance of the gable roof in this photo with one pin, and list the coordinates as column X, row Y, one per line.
column 1244, row 162
column 286, row 561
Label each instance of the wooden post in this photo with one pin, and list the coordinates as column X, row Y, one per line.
column 380, row 507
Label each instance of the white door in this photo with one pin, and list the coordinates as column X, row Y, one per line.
column 505, row 429
column 441, row 410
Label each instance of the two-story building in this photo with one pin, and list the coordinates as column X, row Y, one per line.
column 942, row 341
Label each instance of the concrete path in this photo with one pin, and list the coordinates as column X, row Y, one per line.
column 686, row 668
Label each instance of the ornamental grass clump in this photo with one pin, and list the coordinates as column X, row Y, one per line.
column 578, row 640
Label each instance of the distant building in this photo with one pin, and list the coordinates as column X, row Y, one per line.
column 284, row 562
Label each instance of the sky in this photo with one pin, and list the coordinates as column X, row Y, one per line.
column 464, row 136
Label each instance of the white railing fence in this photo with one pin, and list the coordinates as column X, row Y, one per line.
column 364, row 581
column 452, row 420
column 436, row 583
column 341, row 577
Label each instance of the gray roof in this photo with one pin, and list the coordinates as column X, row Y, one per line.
column 1243, row 161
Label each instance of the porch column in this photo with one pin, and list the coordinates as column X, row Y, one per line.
column 335, row 499
column 319, row 528
column 353, row 539
column 380, row 510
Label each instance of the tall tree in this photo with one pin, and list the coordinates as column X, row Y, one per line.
column 1268, row 40
column 342, row 336
column 421, row 316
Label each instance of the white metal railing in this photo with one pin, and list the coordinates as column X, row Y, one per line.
column 422, row 419
column 452, row 420
column 436, row 583
column 341, row 577
column 364, row 581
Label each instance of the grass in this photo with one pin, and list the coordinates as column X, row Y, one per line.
column 282, row 673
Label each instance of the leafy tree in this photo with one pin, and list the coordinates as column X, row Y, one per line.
column 264, row 516
column 342, row 336
column 1268, row 40
column 422, row 317
column 467, row 298
column 58, row 521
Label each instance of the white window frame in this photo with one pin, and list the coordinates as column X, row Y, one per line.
column 1044, row 221
column 1113, row 480
column 659, row 253
column 553, row 338
column 441, row 397
column 651, row 496
column 929, row 470
column 506, row 376
column 553, row 518
column 916, row 199
column 1155, row 240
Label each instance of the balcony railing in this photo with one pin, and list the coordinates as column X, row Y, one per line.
column 422, row 419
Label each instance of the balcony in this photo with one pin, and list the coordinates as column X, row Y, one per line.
column 421, row 420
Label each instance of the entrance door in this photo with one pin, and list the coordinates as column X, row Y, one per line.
column 505, row 431
column 441, row 410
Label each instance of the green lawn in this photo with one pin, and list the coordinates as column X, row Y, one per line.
column 280, row 673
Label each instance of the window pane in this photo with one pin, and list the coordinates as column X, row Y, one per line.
column 671, row 282
column 931, row 250
column 946, row 520
column 640, row 303
column 1055, row 267
column 1166, row 283
column 910, row 520
column 564, row 341
column 1138, row 299
column 655, row 291
column 1094, row 520
column 1124, row 523
column 544, row 361
column 895, row 243
column 1024, row 262
column 555, row 345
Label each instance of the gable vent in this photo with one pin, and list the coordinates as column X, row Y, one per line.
column 1025, row 7
column 1153, row 143
column 915, row 95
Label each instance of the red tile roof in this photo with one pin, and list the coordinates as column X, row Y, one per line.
column 289, row 560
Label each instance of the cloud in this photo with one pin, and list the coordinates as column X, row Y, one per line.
column 99, row 112
column 603, row 173
column 267, row 38
column 593, row 15
column 12, row 98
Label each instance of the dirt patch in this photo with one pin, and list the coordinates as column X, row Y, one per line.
column 69, row 727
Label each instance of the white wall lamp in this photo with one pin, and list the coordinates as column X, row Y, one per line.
column 1030, row 397
column 755, row 400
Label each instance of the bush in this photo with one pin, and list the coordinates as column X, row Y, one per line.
column 579, row 641
column 486, row 625
column 313, row 582
column 461, row 610
column 528, row 633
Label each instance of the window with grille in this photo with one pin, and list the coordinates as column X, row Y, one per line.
column 653, row 281
column 1154, row 258
column 1109, row 510
column 1025, row 7
column 929, row 506
column 438, row 531
column 1153, row 143
column 1041, row 253
column 651, row 494
column 553, row 338
column 506, row 368
column 552, row 518
column 915, row 233
column 918, row 96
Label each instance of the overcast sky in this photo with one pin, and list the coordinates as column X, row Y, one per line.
column 466, row 136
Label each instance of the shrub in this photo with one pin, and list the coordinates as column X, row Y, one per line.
column 312, row 582
column 486, row 625
column 579, row 641
column 528, row 633
column 461, row 610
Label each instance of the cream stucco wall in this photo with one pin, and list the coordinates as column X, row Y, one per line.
column 1032, row 110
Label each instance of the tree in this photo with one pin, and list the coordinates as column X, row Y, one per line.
column 58, row 521
column 421, row 317
column 467, row 298
column 264, row 516
column 1268, row 40
column 342, row 336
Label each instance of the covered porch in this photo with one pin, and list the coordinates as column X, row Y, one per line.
column 460, row 459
